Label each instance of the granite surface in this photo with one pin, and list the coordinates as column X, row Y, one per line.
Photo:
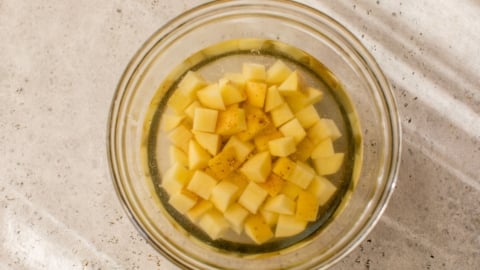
column 60, row 62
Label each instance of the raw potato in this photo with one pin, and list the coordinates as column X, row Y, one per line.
column 249, row 153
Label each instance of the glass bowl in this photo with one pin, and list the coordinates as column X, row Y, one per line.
column 257, row 31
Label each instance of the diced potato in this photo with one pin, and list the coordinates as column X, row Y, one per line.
column 307, row 206
column 308, row 116
column 214, row 224
column 258, row 167
column 303, row 99
column 176, row 178
column 254, row 72
column 312, row 96
column 323, row 129
column 177, row 156
column 180, row 136
column 231, row 92
column 252, row 197
column 291, row 190
column 273, row 185
column 170, row 121
column 328, row 165
column 292, row 85
column 236, row 78
column 284, row 167
column 257, row 229
column 241, row 148
column 302, row 175
column 190, row 110
column 289, row 225
column 280, row 204
column 223, row 195
column 278, row 72
column 323, row 149
column 282, row 147
column 294, row 129
column 205, row 120
column 224, row 163
column 202, row 184
column 322, row 188
column 270, row 132
column 211, row 97
column 304, row 150
column 183, row 201
column 200, row 208
column 257, row 120
column 209, row 141
column 273, row 99
column 236, row 215
column 197, row 156
column 191, row 82
column 178, row 101
column 281, row 115
column 270, row 218
column 240, row 180
column 231, row 121
column 256, row 93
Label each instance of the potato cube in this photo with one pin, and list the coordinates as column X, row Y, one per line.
column 291, row 190
column 214, row 224
column 200, row 208
column 254, row 72
column 304, row 150
column 292, row 85
column 294, row 129
column 209, row 141
column 180, row 136
column 177, row 156
column 258, row 167
column 231, row 121
column 236, row 78
column 278, row 72
column 191, row 82
column 176, row 178
column 257, row 120
column 284, row 167
column 296, row 102
column 178, row 101
column 236, row 215
column 183, row 201
column 238, row 179
column 257, row 229
column 312, row 96
column 323, row 149
column 224, row 163
column 242, row 149
column 270, row 218
column 307, row 116
column 231, row 93
column 323, row 129
column 280, row 204
column 205, row 120
column 307, row 206
column 197, row 156
column 190, row 110
column 273, row 99
column 281, row 115
column 273, row 185
column 302, row 175
column 256, row 93
column 211, row 97
column 328, row 165
column 282, row 147
column 202, row 184
column 252, row 197
column 322, row 189
column 223, row 195
column 289, row 225
column 170, row 121
column 270, row 132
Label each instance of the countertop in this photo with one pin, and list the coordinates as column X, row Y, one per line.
column 60, row 62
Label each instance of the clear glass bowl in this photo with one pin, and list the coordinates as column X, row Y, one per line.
column 350, row 69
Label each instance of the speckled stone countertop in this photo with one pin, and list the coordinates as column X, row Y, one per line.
column 59, row 65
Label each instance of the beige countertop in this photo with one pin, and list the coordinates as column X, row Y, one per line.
column 60, row 62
